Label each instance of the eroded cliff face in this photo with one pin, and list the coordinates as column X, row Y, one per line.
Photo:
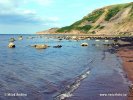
column 110, row 20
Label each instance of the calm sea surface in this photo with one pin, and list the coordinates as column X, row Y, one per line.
column 55, row 73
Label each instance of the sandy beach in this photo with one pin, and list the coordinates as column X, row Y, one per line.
column 126, row 54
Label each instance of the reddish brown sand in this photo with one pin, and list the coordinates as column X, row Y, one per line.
column 126, row 53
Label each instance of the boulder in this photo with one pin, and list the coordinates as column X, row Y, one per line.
column 97, row 40
column 84, row 44
column 106, row 40
column 40, row 46
column 11, row 40
column 11, row 45
column 20, row 38
column 89, row 39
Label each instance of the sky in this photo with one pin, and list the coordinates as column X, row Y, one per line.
column 31, row 16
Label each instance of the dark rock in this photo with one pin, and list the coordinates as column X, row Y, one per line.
column 58, row 46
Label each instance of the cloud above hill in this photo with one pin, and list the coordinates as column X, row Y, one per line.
column 11, row 13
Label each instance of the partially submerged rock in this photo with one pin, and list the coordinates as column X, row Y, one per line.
column 89, row 39
column 11, row 45
column 60, row 39
column 106, row 40
column 97, row 40
column 20, row 38
column 74, row 37
column 40, row 46
column 84, row 44
column 11, row 39
column 58, row 46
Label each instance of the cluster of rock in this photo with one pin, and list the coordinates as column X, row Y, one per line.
column 116, row 40
column 12, row 40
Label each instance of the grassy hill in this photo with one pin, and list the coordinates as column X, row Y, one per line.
column 114, row 19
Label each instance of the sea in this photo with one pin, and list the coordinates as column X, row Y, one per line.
column 71, row 72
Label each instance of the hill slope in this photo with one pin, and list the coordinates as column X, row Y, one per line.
column 110, row 20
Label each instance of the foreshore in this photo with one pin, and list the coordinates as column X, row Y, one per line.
column 126, row 54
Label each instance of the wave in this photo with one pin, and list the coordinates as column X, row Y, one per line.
column 72, row 87
column 68, row 92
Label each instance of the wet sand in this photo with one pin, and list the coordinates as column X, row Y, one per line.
column 126, row 54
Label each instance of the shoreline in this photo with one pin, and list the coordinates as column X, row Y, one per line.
column 126, row 54
column 101, row 83
column 119, row 44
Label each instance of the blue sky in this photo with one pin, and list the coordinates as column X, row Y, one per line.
column 30, row 16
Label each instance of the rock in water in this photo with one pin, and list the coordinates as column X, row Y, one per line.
column 41, row 46
column 106, row 40
column 11, row 45
column 11, row 40
column 20, row 38
column 84, row 44
column 89, row 39
column 97, row 40
column 58, row 46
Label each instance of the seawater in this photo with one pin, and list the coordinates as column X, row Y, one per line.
column 53, row 73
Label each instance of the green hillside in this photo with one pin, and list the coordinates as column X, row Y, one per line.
column 94, row 16
column 114, row 19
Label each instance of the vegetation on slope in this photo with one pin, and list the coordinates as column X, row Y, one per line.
column 113, row 10
column 99, row 27
column 88, row 22
column 93, row 17
column 85, row 28
column 69, row 28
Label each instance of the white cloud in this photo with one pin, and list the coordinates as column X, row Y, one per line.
column 30, row 12
column 11, row 12
column 25, row 17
